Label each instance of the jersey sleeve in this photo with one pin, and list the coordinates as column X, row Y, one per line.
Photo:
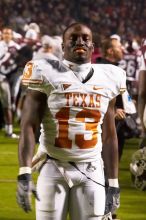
column 122, row 81
column 34, row 76
column 119, row 79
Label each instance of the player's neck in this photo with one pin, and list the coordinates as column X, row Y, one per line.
column 77, row 67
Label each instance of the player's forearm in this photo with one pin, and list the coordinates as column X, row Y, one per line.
column 110, row 157
column 141, row 107
column 142, row 95
column 26, row 147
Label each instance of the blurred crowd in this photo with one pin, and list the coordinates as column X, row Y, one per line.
column 105, row 17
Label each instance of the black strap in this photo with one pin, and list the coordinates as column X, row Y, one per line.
column 74, row 165
column 89, row 75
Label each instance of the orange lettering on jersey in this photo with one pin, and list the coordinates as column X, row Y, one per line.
column 67, row 95
column 62, row 140
column 98, row 98
column 28, row 71
column 89, row 126
column 89, row 117
column 76, row 99
column 83, row 100
column 91, row 104
column 83, row 96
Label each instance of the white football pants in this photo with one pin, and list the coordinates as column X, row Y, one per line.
column 85, row 200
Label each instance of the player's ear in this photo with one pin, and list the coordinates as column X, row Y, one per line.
column 110, row 51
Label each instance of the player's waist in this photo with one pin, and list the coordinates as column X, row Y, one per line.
column 77, row 156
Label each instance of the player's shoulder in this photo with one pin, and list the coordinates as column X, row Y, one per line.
column 110, row 69
column 111, row 76
column 42, row 64
column 33, row 71
column 36, row 71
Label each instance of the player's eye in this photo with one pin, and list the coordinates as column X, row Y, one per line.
column 73, row 38
column 86, row 38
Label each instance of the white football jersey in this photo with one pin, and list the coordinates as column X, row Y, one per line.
column 71, row 127
column 8, row 51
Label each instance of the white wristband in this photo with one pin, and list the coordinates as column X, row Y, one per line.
column 113, row 182
column 23, row 170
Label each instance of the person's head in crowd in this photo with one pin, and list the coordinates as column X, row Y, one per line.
column 77, row 43
column 48, row 43
column 35, row 27
column 115, row 36
column 58, row 46
column 131, row 45
column 7, row 34
column 32, row 33
column 112, row 49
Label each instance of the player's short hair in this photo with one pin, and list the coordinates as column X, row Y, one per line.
column 72, row 25
column 7, row 28
column 105, row 45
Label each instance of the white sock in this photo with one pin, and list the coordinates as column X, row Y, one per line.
column 18, row 113
column 9, row 129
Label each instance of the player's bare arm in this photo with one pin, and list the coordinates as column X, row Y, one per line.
column 142, row 96
column 31, row 118
column 110, row 157
column 33, row 110
column 110, row 142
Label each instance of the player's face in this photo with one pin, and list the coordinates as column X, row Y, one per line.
column 77, row 45
column 7, row 34
column 117, row 50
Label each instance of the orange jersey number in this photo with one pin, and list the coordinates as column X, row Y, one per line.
column 63, row 141
column 28, row 71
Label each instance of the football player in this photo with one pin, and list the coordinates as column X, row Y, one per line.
column 74, row 102
column 9, row 78
column 130, row 63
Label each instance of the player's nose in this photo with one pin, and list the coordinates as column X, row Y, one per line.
column 79, row 41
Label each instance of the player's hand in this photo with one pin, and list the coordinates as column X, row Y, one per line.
column 25, row 188
column 112, row 199
column 120, row 114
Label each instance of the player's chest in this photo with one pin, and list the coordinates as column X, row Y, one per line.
column 78, row 98
column 68, row 91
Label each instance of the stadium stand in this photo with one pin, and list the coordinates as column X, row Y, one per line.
column 123, row 17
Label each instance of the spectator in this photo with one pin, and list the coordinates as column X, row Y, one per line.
column 47, row 50
column 9, row 78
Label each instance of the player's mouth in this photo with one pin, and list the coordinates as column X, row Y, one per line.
column 79, row 50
